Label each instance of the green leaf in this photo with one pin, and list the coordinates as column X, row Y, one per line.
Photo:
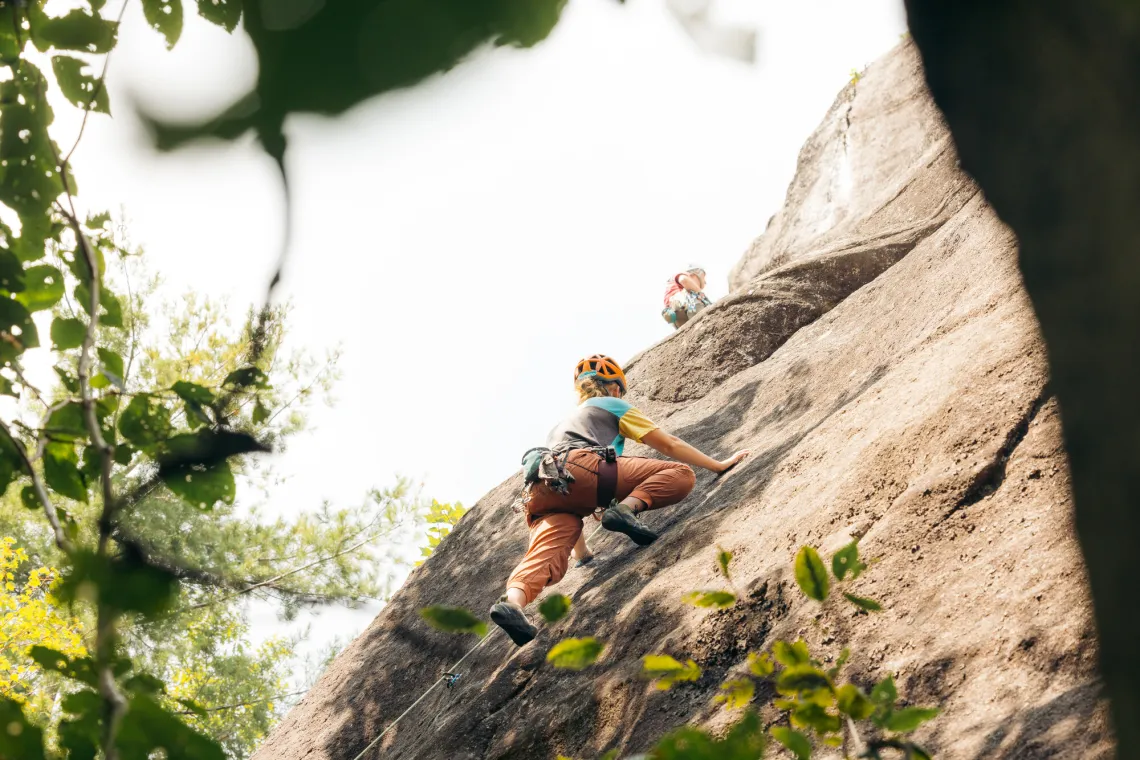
column 723, row 558
column 66, row 423
column 11, row 463
column 193, row 707
column 81, row 669
column 202, row 485
column 165, row 17
column 261, row 412
column 148, row 726
column 61, row 471
column 98, row 221
column 70, row 382
column 667, row 671
column 737, row 693
column 453, row 620
column 78, row 30
column 125, row 583
column 852, row 701
column 144, row 683
column 193, row 392
column 29, row 498
column 811, row 575
column 82, row 702
column 11, row 272
column 796, row 742
column 575, row 654
column 909, row 718
column 19, row 738
column 43, row 288
column 112, row 315
column 915, row 752
column 124, row 453
column 799, row 678
column 863, row 603
column 112, row 366
column 224, row 13
column 811, row 715
column 67, row 333
column 885, row 694
column 17, row 331
column 744, row 741
column 145, row 421
column 246, row 377
column 554, row 607
column 83, row 89
column 833, row 671
column 760, row 665
column 718, row 599
column 846, row 560
column 791, row 654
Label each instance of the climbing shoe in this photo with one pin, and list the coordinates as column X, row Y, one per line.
column 512, row 620
column 621, row 519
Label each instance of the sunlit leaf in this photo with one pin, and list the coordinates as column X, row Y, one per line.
column 453, row 620
column 846, row 561
column 909, row 718
column 760, row 664
column 723, row 558
column 863, row 603
column 796, row 742
column 43, row 288
column 884, row 694
column 145, row 421
column 797, row 678
column 851, row 700
column 811, row 575
column 165, row 17
column 717, row 599
column 202, row 485
column 61, row 471
column 112, row 366
column 667, row 671
column 67, row 423
column 736, row 693
column 813, row 716
column 67, row 333
column 224, row 13
column 791, row 654
column 575, row 654
column 78, row 30
column 554, row 607
column 79, row 84
column 744, row 741
column 833, row 671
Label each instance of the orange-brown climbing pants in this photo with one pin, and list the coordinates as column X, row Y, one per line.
column 555, row 520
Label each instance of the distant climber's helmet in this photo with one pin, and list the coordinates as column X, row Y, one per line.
column 602, row 367
column 696, row 269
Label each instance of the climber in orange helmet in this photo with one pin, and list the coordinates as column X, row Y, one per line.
column 582, row 469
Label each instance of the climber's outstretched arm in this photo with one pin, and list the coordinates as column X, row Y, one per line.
column 674, row 448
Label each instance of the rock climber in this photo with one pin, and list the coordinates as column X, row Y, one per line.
column 582, row 470
column 685, row 296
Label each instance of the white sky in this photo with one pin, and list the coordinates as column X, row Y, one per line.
column 467, row 241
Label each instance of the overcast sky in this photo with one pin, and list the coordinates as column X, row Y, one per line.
column 467, row 241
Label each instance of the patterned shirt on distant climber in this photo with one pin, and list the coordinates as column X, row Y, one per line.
column 685, row 296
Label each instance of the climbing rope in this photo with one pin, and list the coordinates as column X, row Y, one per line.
column 449, row 678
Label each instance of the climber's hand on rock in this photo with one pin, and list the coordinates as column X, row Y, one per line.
column 734, row 460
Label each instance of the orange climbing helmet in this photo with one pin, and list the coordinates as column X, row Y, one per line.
column 602, row 367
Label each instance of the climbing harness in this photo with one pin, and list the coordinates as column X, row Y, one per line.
column 450, row 678
column 548, row 467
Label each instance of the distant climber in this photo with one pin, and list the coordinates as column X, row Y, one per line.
column 685, row 296
column 581, row 471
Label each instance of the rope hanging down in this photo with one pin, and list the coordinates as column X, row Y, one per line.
column 450, row 678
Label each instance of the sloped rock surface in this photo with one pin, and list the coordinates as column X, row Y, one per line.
column 913, row 409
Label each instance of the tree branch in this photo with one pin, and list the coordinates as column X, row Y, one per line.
column 243, row 704
column 41, row 493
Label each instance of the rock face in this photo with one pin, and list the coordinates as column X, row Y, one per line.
column 893, row 385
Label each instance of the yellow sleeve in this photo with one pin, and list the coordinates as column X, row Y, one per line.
column 633, row 424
